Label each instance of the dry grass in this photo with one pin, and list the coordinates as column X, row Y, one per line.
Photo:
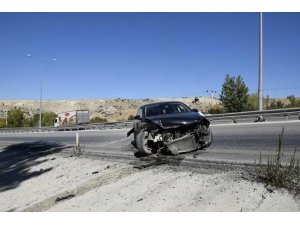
column 276, row 175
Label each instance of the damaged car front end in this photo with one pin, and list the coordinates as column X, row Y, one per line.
column 170, row 127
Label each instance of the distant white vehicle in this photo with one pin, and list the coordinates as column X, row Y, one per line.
column 72, row 118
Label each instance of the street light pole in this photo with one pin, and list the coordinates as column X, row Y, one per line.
column 41, row 90
column 260, row 80
column 41, row 95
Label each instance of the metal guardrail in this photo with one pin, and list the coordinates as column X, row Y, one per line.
column 92, row 126
column 231, row 117
column 257, row 115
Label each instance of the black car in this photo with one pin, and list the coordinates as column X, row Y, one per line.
column 171, row 127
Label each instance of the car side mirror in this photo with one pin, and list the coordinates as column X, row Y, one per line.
column 137, row 117
column 194, row 110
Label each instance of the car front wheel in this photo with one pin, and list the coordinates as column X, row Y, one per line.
column 142, row 139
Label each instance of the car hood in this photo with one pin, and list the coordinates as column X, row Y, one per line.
column 175, row 120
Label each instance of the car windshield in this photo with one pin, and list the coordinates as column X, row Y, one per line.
column 167, row 108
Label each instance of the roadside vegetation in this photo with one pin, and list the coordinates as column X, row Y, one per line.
column 47, row 119
column 16, row 118
column 235, row 97
column 2, row 123
column 130, row 117
column 276, row 175
column 98, row 119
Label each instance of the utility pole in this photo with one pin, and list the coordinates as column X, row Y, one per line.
column 260, row 79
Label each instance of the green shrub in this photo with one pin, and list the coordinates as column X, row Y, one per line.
column 130, row 117
column 253, row 102
column 28, row 122
column 216, row 109
column 98, row 119
column 2, row 123
column 294, row 102
column 47, row 119
column 15, row 118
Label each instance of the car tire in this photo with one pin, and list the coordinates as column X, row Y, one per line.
column 210, row 138
column 141, row 142
column 208, row 141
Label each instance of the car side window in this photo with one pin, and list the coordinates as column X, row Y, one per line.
column 139, row 112
column 182, row 109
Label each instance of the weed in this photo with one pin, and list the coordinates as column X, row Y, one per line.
column 77, row 150
column 277, row 175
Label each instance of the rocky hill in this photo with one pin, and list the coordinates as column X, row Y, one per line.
column 111, row 109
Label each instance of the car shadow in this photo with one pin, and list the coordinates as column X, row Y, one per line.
column 16, row 161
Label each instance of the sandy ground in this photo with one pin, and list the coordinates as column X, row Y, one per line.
column 83, row 184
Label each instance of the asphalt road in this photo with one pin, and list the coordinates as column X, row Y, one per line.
column 232, row 142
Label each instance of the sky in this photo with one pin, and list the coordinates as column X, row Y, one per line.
column 145, row 55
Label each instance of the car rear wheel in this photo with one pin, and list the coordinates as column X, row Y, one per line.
column 142, row 139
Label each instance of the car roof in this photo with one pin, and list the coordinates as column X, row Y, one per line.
column 157, row 103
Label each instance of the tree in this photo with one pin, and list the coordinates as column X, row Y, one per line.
column 15, row 118
column 234, row 94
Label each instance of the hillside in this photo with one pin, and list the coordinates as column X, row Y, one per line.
column 110, row 109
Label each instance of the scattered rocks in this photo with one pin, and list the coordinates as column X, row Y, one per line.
column 270, row 190
column 69, row 196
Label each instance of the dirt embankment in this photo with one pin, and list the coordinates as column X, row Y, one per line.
column 59, row 182
column 110, row 109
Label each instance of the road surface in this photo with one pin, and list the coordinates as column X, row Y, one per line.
column 232, row 142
